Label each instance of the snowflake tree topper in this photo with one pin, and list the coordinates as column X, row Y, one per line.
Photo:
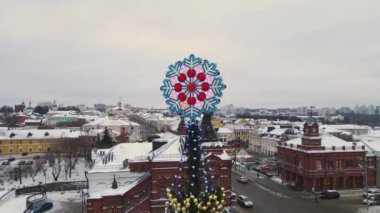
column 192, row 86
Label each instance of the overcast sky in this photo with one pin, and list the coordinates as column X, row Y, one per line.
column 282, row 53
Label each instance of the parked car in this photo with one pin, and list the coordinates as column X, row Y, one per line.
column 371, row 192
column 244, row 201
column 242, row 179
column 11, row 159
column 372, row 200
column 329, row 194
column 44, row 207
column 5, row 163
column 21, row 162
column 37, row 157
column 24, row 154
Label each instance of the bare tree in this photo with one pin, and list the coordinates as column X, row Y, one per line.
column 71, row 149
column 56, row 167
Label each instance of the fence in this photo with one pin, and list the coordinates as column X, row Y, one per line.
column 57, row 186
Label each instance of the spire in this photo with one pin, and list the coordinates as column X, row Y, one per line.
column 114, row 183
column 182, row 127
column 208, row 132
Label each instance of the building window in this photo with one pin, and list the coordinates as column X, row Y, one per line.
column 30, row 141
column 349, row 163
column 338, row 164
column 48, row 149
column 1, row 151
column 163, row 192
column 10, row 142
column 318, row 165
column 127, row 206
column 30, row 149
column 10, row 150
column 20, row 150
column 329, row 164
column 300, row 163
column 39, row 149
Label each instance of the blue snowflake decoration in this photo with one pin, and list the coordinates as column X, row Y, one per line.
column 192, row 87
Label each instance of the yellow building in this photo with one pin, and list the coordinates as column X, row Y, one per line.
column 32, row 141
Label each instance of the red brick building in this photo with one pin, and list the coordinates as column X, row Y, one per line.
column 142, row 184
column 324, row 162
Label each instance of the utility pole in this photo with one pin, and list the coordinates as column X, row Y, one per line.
column 366, row 181
column 235, row 157
column 19, row 173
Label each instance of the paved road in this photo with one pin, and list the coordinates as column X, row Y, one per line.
column 269, row 200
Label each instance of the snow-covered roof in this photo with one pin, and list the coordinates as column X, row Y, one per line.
column 350, row 127
column 171, row 150
column 278, row 131
column 50, row 113
column 101, row 190
column 224, row 130
column 372, row 141
column 332, row 129
column 114, row 157
column 374, row 133
column 38, row 134
column 111, row 122
column 328, row 141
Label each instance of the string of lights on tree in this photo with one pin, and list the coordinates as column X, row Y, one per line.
column 192, row 87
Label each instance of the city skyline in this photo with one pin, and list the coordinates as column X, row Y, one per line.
column 271, row 54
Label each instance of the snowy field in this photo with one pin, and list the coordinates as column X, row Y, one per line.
column 31, row 177
column 63, row 202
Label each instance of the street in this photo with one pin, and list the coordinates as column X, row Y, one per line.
column 270, row 197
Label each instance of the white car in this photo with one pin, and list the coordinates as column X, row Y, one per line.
column 374, row 200
column 372, row 192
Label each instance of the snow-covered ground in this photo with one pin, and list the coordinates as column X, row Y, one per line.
column 69, row 201
column 372, row 209
column 77, row 174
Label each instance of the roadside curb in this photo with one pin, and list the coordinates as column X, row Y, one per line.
column 278, row 194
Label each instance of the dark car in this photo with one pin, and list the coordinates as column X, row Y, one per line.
column 244, row 201
column 242, row 179
column 5, row 163
column 11, row 159
column 24, row 154
column 37, row 157
column 329, row 194
column 21, row 162
column 44, row 207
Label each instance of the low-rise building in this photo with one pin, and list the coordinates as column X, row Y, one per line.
column 241, row 132
column 322, row 161
column 225, row 134
column 133, row 177
column 267, row 140
column 116, row 127
column 353, row 129
column 372, row 142
column 33, row 140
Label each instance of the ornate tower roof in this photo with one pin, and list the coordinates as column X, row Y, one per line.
column 208, row 131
